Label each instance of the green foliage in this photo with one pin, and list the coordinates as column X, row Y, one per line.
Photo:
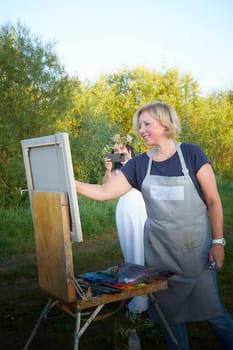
column 212, row 128
column 39, row 98
column 205, row 121
column 88, row 148
column 117, row 97
column 34, row 92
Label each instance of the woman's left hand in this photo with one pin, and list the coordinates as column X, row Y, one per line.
column 216, row 255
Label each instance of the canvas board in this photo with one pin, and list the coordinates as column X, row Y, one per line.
column 49, row 168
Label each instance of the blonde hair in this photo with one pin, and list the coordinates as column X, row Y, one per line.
column 164, row 113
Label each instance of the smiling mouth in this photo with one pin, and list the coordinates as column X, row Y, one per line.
column 146, row 137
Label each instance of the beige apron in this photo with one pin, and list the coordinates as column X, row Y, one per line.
column 177, row 239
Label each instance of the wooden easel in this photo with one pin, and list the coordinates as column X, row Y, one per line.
column 51, row 220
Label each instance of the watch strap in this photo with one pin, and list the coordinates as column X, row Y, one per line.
column 219, row 241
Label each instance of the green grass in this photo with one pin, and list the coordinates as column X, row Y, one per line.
column 225, row 187
column 96, row 217
column 17, row 237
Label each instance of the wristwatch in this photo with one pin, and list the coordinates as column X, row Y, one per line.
column 221, row 241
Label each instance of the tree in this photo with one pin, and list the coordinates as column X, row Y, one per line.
column 88, row 148
column 120, row 94
column 35, row 92
column 206, row 121
column 214, row 126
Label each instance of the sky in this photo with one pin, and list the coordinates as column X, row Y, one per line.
column 94, row 37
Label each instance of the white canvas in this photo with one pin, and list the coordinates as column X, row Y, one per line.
column 48, row 167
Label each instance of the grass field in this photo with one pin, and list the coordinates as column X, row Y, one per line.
column 21, row 301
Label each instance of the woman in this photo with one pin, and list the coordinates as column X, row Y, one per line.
column 130, row 216
column 180, row 192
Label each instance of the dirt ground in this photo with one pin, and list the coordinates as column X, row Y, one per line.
column 21, row 304
column 22, row 301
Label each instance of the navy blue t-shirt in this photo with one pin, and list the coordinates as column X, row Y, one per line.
column 135, row 169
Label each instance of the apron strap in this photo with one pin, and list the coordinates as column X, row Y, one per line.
column 151, row 153
column 185, row 170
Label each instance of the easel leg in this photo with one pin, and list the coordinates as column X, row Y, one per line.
column 91, row 318
column 43, row 314
column 163, row 319
column 76, row 332
column 79, row 332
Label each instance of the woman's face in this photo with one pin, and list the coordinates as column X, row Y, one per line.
column 120, row 148
column 151, row 130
